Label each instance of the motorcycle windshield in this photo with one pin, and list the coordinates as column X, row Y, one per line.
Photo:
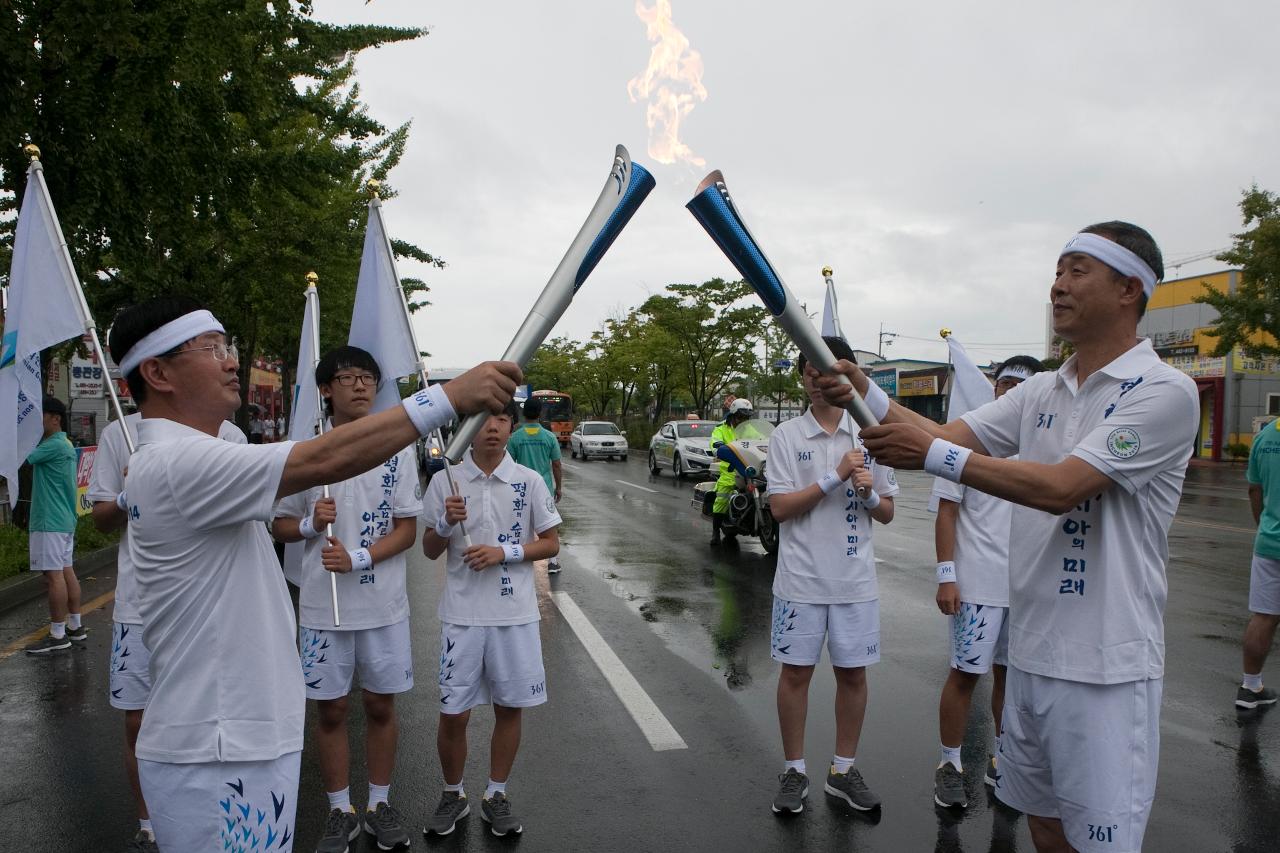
column 754, row 430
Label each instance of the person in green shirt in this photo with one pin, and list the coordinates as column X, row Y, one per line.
column 739, row 411
column 52, row 529
column 1264, row 575
column 534, row 446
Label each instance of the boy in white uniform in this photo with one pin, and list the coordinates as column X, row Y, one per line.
column 972, row 541
column 1103, row 446
column 218, row 753
column 130, row 680
column 825, row 492
column 374, row 517
column 490, row 649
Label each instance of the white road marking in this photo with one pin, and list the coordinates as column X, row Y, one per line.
column 635, row 486
column 655, row 727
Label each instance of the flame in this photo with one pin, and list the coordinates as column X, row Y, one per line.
column 672, row 84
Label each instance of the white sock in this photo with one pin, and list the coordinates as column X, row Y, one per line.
column 73, row 621
column 340, row 800
column 951, row 754
column 997, row 744
column 797, row 766
column 144, row 823
column 495, row 788
column 840, row 764
column 377, row 794
column 57, row 630
column 1253, row 682
column 456, row 789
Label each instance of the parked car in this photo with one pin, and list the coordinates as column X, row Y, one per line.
column 597, row 440
column 684, row 447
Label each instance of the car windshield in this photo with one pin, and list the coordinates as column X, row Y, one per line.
column 695, row 429
column 600, row 429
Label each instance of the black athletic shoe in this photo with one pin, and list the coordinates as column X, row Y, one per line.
column 48, row 644
column 78, row 635
column 496, row 811
column 1245, row 698
column 452, row 808
column 852, row 789
column 386, row 826
column 340, row 827
column 142, row 843
column 948, row 787
column 793, row 787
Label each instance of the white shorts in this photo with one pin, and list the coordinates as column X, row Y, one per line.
column 1264, row 586
column 483, row 664
column 230, row 805
column 50, row 552
column 979, row 637
column 851, row 631
column 130, row 680
column 381, row 655
column 1084, row 753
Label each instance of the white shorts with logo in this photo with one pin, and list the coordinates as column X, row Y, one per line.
column 231, row 805
column 330, row 659
column 851, row 632
column 484, row 664
column 130, row 680
column 1084, row 753
column 1264, row 586
column 50, row 552
column 979, row 637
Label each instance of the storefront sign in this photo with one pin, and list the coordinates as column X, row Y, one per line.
column 887, row 380
column 86, row 378
column 84, row 468
column 917, row 386
column 1198, row 367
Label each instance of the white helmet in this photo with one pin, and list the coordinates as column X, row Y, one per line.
column 742, row 404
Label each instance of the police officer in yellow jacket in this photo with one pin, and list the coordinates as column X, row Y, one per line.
column 739, row 411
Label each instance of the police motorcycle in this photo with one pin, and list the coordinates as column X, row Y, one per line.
column 747, row 457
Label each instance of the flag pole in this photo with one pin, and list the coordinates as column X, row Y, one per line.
column 375, row 202
column 90, row 327
column 313, row 297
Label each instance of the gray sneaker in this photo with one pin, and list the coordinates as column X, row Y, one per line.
column 553, row 566
column 78, row 635
column 1245, row 698
column 48, row 644
column 386, row 826
column 496, row 811
column 452, row 808
column 948, row 787
column 850, row 788
column 340, row 827
column 993, row 776
column 793, row 787
column 142, row 843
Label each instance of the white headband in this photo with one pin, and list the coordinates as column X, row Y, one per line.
column 1014, row 371
column 168, row 336
column 1115, row 256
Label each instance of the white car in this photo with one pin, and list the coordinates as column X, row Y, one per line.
column 684, row 447
column 597, row 440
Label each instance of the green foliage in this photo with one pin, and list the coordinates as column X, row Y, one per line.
column 1253, row 311
column 1238, row 451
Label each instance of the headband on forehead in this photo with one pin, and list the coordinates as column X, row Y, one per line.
column 1115, row 256
column 1014, row 371
column 168, row 336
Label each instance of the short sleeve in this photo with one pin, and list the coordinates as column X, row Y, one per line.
column 1151, row 430
column 293, row 506
column 433, row 500
column 216, row 484
column 554, row 444
column 228, row 431
column 944, row 489
column 998, row 424
column 780, row 470
column 46, row 451
column 408, row 499
column 545, row 514
column 106, row 480
column 884, row 480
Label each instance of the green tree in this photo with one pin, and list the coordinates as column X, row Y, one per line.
column 1250, row 317
column 556, row 366
column 782, row 386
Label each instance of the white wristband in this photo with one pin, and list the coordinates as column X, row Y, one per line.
column 872, row 500
column 307, row 529
column 360, row 559
column 443, row 528
column 877, row 400
column 946, row 572
column 122, row 502
column 513, row 552
column 429, row 409
column 830, row 482
column 946, row 460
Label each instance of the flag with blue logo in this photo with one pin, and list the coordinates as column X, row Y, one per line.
column 304, row 414
column 380, row 318
column 44, row 308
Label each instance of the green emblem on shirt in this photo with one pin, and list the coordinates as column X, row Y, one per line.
column 1123, row 442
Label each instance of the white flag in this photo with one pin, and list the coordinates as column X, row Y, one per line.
column 970, row 389
column 831, row 314
column 45, row 308
column 304, row 414
column 380, row 318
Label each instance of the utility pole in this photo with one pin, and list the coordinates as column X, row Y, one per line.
column 883, row 335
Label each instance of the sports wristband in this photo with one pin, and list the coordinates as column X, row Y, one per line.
column 360, row 559
column 444, row 529
column 872, row 500
column 830, row 482
column 429, row 409
column 946, row 460
column 122, row 502
column 877, row 400
column 513, row 552
column 307, row 529
column 946, row 572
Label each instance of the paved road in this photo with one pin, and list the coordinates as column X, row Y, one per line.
column 695, row 768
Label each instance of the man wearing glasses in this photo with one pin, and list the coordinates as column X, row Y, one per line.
column 374, row 518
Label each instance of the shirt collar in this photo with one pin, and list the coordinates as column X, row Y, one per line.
column 506, row 470
column 813, row 429
column 154, row 430
column 1132, row 362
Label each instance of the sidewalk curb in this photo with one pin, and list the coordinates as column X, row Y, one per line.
column 18, row 590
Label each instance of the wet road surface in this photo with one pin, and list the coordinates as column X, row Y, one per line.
column 645, row 610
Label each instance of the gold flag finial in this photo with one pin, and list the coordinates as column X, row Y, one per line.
column 944, row 332
column 374, row 186
column 826, row 272
column 312, row 278
column 32, row 151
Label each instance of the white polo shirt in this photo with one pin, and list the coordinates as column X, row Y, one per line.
column 506, row 506
column 366, row 505
column 982, row 543
column 106, row 481
column 1087, row 588
column 825, row 556
column 226, row 684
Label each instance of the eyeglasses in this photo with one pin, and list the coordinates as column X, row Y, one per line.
column 220, row 352
column 349, row 380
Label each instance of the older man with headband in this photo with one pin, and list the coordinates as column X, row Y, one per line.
column 218, row 753
column 1103, row 445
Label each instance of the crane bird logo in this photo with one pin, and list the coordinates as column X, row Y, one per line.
column 1123, row 443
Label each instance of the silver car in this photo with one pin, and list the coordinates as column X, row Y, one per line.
column 684, row 447
column 597, row 440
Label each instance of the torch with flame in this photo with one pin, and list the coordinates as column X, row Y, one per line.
column 672, row 84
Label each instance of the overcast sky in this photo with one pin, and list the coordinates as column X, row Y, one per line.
column 937, row 155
